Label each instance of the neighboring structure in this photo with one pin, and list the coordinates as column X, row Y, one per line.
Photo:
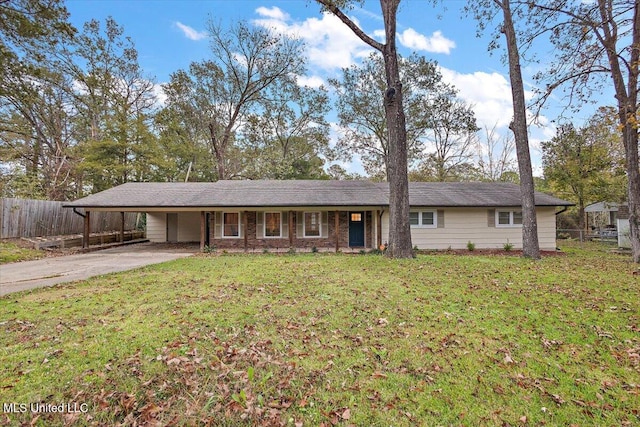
column 255, row 215
column 609, row 220
column 601, row 214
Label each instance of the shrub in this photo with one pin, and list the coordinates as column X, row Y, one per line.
column 314, row 250
column 471, row 246
column 291, row 251
column 508, row 246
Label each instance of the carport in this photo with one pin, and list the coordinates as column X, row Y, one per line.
column 174, row 212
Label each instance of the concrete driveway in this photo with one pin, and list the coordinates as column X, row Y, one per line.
column 21, row 276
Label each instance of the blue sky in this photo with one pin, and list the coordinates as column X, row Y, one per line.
column 170, row 34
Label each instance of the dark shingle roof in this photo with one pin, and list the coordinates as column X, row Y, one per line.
column 468, row 194
column 267, row 193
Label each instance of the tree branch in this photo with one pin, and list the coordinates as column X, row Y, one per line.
column 349, row 23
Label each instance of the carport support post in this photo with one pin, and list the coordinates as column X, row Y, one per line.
column 290, row 229
column 245, row 225
column 203, row 228
column 87, row 229
column 121, row 227
column 337, row 226
column 379, row 229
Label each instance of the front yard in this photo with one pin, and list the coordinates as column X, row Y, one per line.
column 325, row 339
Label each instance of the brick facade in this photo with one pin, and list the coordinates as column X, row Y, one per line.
column 293, row 240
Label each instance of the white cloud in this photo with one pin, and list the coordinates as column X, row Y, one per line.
column 191, row 33
column 437, row 43
column 330, row 44
column 310, row 81
column 380, row 35
column 273, row 13
column 490, row 95
column 161, row 97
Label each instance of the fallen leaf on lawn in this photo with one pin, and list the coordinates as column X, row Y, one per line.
column 346, row 414
column 507, row 359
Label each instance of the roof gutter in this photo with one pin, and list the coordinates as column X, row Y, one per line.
column 75, row 211
column 563, row 210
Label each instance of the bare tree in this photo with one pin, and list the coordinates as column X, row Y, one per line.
column 495, row 156
column 452, row 127
column 247, row 61
column 433, row 112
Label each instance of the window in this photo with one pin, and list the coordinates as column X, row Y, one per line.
column 517, row 217
column 272, row 224
column 414, row 218
column 231, row 224
column 428, row 219
column 509, row 218
column 504, row 218
column 356, row 217
column 312, row 224
column 423, row 219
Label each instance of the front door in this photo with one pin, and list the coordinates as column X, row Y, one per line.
column 356, row 229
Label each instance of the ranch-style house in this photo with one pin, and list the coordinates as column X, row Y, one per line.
column 326, row 215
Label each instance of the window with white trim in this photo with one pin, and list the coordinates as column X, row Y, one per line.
column 508, row 218
column 231, row 224
column 273, row 224
column 423, row 219
column 312, row 224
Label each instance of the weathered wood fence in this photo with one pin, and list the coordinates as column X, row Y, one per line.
column 32, row 218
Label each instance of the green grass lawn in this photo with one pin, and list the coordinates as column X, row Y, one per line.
column 323, row 339
column 11, row 252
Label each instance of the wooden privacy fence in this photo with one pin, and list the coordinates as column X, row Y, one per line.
column 33, row 218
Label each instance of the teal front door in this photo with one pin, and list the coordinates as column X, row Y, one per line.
column 356, row 229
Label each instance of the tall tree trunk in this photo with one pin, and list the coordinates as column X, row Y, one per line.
column 530, row 245
column 631, row 140
column 400, row 230
column 397, row 169
column 634, row 192
column 627, row 98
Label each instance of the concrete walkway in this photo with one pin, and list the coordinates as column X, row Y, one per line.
column 21, row 276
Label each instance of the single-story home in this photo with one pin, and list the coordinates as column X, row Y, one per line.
column 267, row 214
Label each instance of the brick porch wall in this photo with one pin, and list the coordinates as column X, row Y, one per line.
column 254, row 243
